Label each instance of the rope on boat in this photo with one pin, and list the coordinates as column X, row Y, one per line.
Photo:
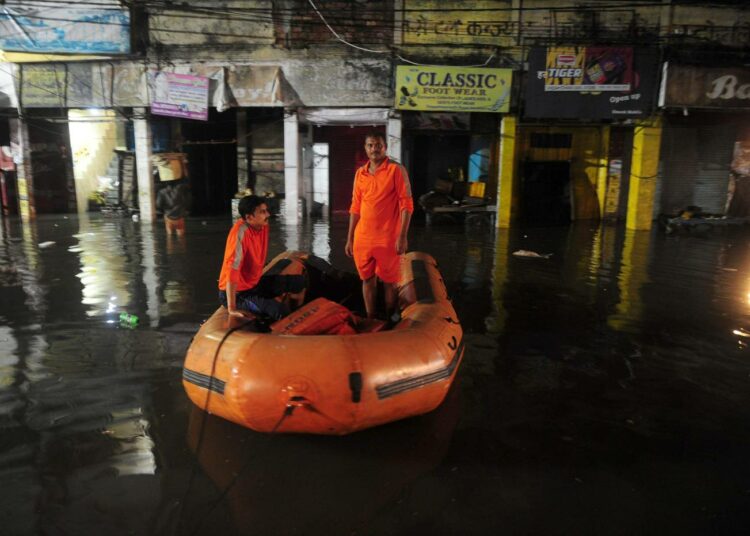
column 201, row 433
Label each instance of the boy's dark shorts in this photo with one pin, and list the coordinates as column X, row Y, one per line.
column 260, row 298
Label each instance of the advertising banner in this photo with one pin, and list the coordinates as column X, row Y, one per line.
column 639, row 75
column 588, row 69
column 452, row 89
column 702, row 87
column 180, row 95
column 65, row 29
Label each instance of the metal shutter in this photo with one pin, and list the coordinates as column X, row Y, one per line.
column 695, row 161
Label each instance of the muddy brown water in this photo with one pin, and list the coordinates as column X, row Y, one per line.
column 604, row 390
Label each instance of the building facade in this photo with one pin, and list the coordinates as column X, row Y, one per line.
column 595, row 111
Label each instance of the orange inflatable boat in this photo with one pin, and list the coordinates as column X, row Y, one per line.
column 321, row 370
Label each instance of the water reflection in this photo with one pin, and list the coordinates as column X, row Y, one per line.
column 150, row 278
column 333, row 485
column 622, row 347
column 631, row 280
column 104, row 271
column 321, row 240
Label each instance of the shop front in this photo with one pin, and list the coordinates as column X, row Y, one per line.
column 451, row 133
column 333, row 146
column 576, row 142
column 339, row 102
column 705, row 142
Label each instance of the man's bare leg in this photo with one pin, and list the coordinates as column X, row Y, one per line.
column 370, row 294
column 390, row 299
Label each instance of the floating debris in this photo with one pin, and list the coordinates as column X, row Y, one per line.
column 531, row 254
column 43, row 245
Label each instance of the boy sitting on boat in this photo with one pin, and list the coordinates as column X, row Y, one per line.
column 243, row 290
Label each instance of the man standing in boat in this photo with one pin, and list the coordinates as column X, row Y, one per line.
column 242, row 287
column 378, row 223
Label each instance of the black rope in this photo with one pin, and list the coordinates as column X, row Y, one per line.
column 202, row 430
column 287, row 413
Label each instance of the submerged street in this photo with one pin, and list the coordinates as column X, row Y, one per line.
column 604, row 389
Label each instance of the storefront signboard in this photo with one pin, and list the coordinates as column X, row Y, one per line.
column 43, row 86
column 128, row 85
column 65, row 29
column 588, row 69
column 179, row 95
column 705, row 87
column 545, row 99
column 456, row 89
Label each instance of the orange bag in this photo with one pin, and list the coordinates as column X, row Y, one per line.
column 319, row 317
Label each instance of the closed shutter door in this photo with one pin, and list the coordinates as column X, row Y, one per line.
column 715, row 147
column 695, row 162
column 679, row 167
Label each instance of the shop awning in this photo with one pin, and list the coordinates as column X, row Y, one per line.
column 344, row 116
column 248, row 85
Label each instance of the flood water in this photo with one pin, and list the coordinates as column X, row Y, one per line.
column 604, row 390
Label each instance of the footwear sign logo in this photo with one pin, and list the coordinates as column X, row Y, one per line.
column 452, row 89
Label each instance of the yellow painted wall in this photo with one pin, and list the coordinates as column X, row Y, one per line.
column 93, row 137
column 28, row 57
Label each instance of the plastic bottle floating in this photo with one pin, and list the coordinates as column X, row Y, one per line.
column 128, row 320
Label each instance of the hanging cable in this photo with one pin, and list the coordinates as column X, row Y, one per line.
column 337, row 36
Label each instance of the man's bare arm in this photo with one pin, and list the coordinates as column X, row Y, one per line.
column 402, row 243
column 353, row 221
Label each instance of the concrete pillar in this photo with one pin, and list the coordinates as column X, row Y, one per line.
column 146, row 189
column 21, row 148
column 644, row 169
column 306, row 163
column 393, row 137
column 292, row 169
column 507, row 183
column 602, row 172
column 243, row 175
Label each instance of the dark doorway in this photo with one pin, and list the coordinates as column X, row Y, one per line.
column 434, row 156
column 211, row 149
column 545, row 192
column 346, row 150
column 53, row 187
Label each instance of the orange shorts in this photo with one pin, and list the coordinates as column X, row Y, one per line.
column 174, row 225
column 379, row 260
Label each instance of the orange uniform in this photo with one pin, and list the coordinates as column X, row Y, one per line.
column 379, row 200
column 244, row 256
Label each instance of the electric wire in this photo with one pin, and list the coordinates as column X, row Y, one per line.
column 271, row 17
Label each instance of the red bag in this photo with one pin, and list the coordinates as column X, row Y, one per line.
column 319, row 317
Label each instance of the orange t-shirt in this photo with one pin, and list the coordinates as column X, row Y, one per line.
column 244, row 256
column 379, row 200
